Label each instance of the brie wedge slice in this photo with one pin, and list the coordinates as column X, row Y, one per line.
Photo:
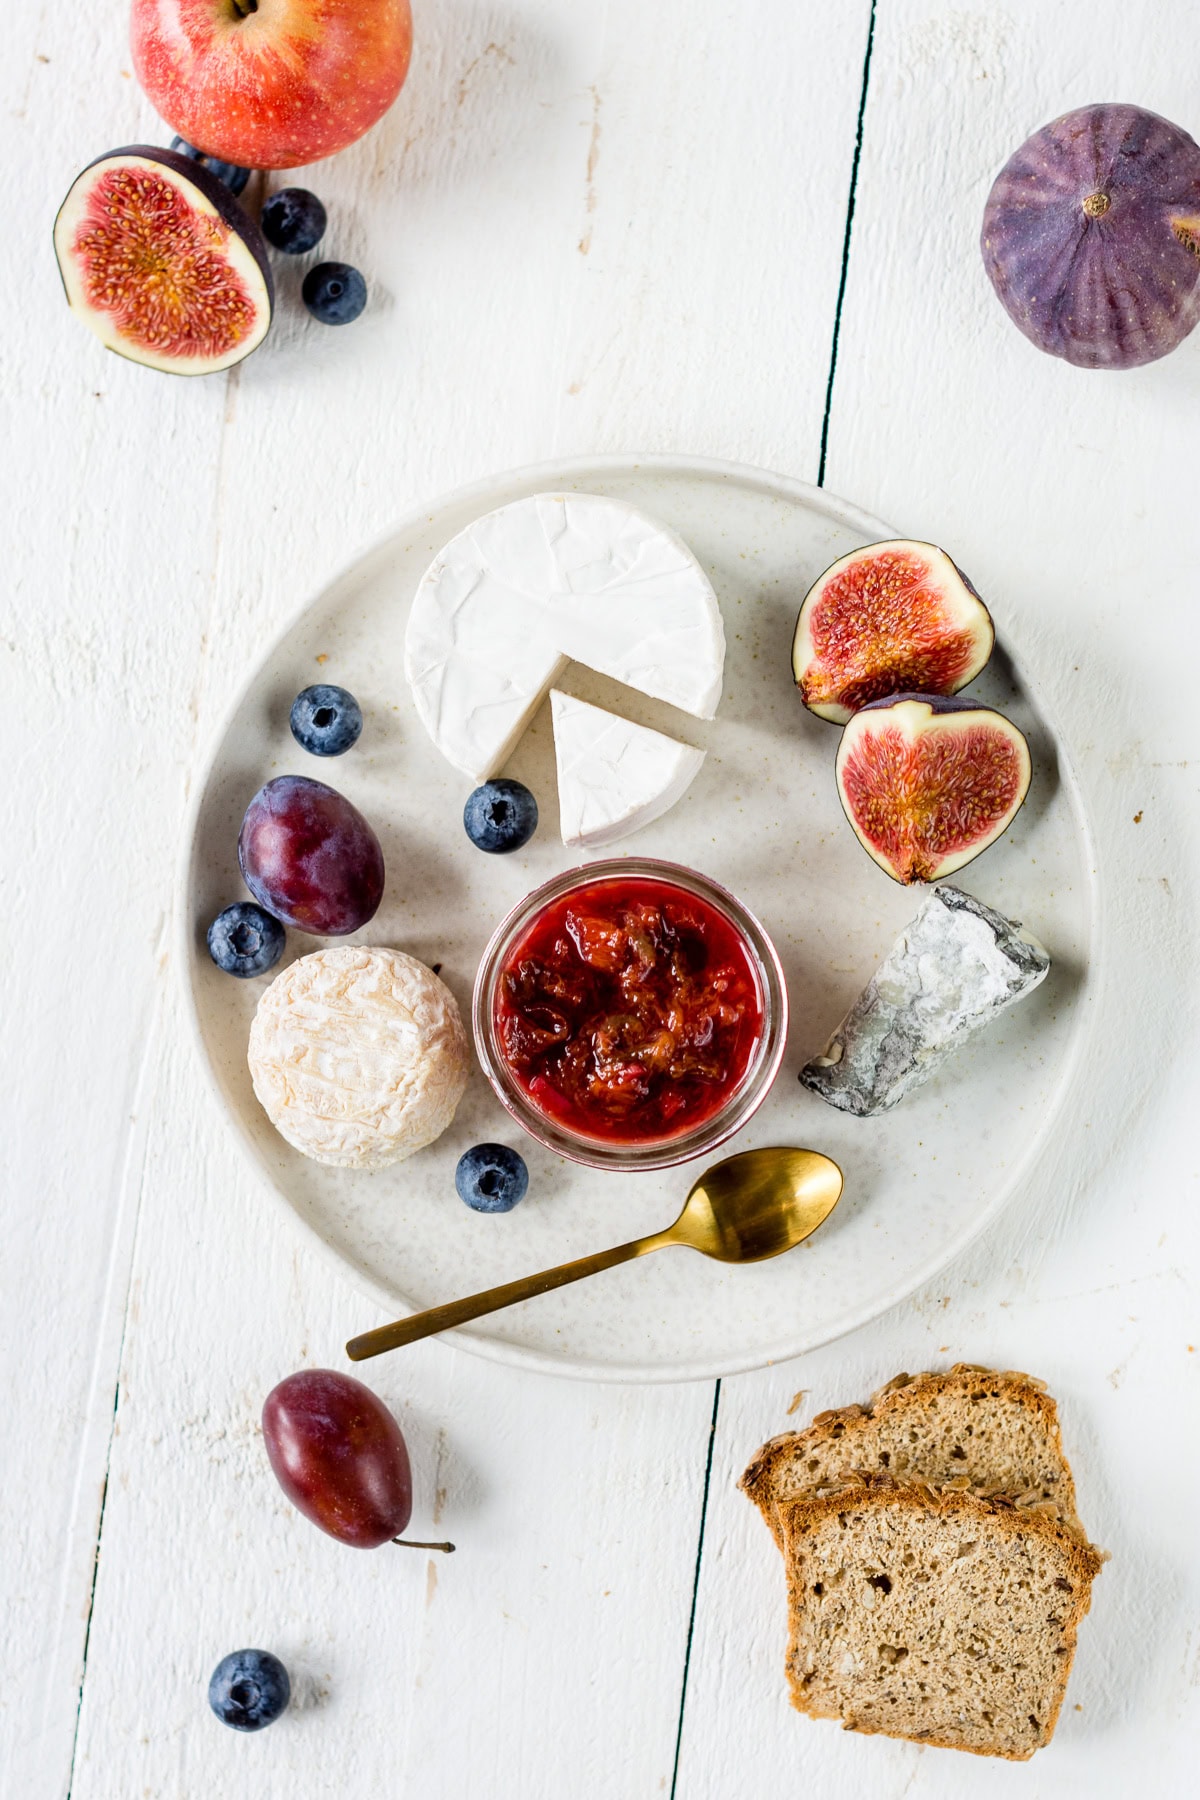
column 613, row 776
column 553, row 579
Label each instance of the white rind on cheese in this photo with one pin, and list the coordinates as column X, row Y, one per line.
column 358, row 1056
column 614, row 776
column 553, row 579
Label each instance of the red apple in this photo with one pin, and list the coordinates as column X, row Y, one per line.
column 269, row 84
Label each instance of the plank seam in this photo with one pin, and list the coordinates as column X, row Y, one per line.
column 91, row 1608
column 691, row 1630
column 833, row 353
column 139, row 1112
column 841, row 293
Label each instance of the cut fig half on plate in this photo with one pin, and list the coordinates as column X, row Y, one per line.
column 160, row 261
column 928, row 782
column 891, row 618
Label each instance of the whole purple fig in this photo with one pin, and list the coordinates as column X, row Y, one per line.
column 1091, row 236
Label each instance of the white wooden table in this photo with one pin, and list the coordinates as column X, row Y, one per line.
column 747, row 230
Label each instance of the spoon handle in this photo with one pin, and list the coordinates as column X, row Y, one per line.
column 458, row 1312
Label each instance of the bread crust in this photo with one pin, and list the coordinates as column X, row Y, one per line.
column 798, row 1517
column 906, row 1393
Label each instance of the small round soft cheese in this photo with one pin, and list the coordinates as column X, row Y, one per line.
column 358, row 1056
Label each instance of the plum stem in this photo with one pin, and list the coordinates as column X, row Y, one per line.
column 416, row 1544
column 1096, row 205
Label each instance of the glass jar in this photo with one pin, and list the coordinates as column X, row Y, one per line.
column 632, row 1151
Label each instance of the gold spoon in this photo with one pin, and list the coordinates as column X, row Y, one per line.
column 745, row 1209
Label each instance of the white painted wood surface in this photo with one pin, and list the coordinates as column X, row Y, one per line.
column 594, row 228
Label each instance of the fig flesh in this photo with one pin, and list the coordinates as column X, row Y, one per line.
column 1091, row 236
column 927, row 782
column 891, row 618
column 161, row 262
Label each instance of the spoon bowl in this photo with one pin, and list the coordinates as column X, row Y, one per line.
column 750, row 1207
column 758, row 1204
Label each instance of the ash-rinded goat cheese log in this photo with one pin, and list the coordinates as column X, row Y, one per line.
column 949, row 973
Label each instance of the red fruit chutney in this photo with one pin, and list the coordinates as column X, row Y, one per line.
column 630, row 1010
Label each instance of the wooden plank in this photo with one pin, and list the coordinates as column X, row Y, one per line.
column 1055, row 486
column 585, row 229
column 112, row 485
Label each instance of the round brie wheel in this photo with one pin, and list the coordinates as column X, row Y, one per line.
column 358, row 1056
column 544, row 581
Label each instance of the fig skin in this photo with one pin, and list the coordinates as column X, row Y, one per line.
column 231, row 214
column 958, row 800
column 897, row 616
column 1091, row 237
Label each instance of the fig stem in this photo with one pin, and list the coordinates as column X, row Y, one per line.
column 416, row 1544
column 1096, row 205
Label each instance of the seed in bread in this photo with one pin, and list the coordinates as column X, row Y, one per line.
column 358, row 1056
column 932, row 1614
column 987, row 1430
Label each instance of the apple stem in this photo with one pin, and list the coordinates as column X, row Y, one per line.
column 243, row 8
column 415, row 1544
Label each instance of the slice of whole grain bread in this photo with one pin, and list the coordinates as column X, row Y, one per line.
column 932, row 1614
column 988, row 1431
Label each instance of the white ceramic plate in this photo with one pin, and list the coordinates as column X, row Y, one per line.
column 763, row 817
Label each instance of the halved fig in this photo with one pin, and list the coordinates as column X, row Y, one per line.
column 927, row 783
column 891, row 618
column 160, row 261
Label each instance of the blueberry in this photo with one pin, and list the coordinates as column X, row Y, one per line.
column 500, row 816
column 235, row 178
column 334, row 293
column 491, row 1178
column 326, row 720
column 245, row 940
column 293, row 220
column 249, row 1689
